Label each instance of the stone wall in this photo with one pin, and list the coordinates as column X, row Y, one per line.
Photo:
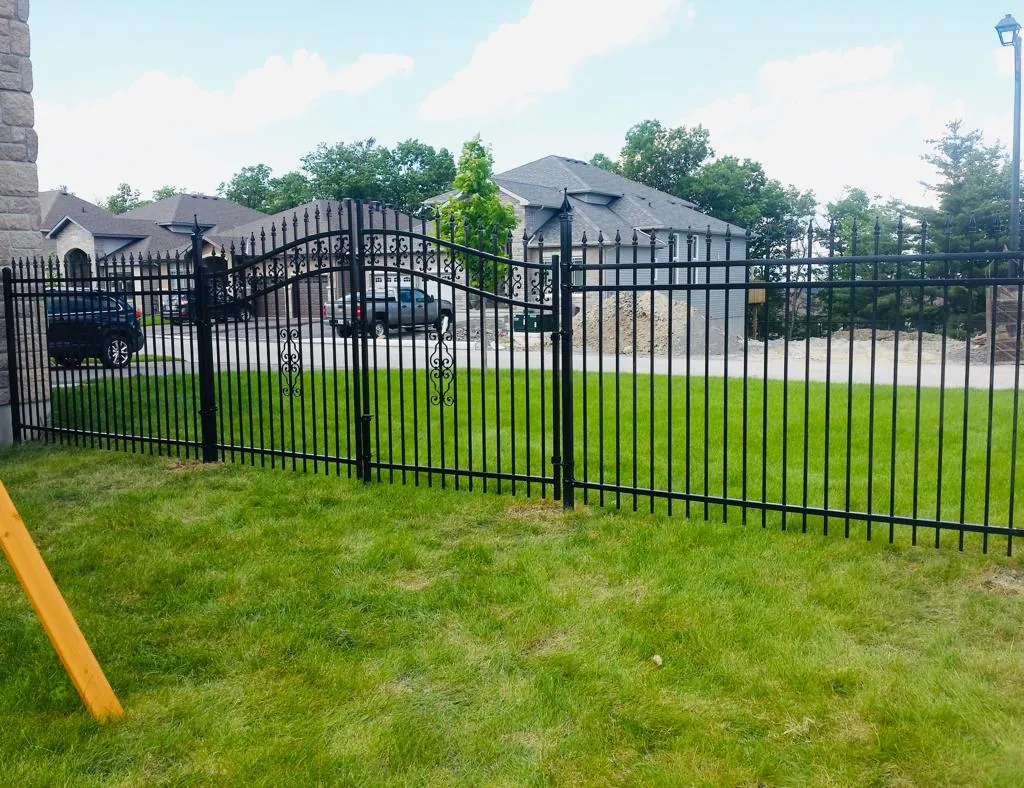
column 19, row 193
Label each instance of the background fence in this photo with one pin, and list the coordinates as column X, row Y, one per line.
column 850, row 394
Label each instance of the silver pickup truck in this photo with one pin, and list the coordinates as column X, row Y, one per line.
column 404, row 308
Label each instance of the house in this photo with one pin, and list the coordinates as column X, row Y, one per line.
column 136, row 252
column 603, row 204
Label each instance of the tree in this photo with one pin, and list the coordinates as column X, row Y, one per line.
column 359, row 170
column 740, row 192
column 601, row 160
column 124, row 199
column 475, row 217
column 291, row 189
column 363, row 170
column 250, row 186
column 167, row 191
column 419, row 172
column 972, row 191
column 664, row 158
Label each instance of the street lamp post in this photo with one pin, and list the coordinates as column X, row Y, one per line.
column 1009, row 35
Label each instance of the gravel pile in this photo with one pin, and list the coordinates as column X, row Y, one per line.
column 602, row 325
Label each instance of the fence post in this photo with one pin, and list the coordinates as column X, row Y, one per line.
column 12, row 355
column 568, row 447
column 204, row 340
column 361, row 337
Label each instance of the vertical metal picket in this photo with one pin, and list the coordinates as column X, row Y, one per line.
column 12, row 355
column 361, row 338
column 568, row 448
column 204, row 350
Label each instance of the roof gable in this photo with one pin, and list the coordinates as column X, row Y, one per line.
column 55, row 205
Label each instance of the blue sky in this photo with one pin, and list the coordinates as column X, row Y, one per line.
column 826, row 95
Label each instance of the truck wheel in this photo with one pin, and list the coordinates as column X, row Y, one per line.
column 379, row 329
column 341, row 332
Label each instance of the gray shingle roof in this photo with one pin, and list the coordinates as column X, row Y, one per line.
column 218, row 212
column 55, row 205
column 540, row 183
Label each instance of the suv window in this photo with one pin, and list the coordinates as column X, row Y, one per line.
column 420, row 295
column 405, row 296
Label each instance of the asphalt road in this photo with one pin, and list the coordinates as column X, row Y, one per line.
column 258, row 346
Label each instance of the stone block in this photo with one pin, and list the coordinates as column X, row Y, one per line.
column 11, row 80
column 27, row 81
column 13, row 151
column 16, row 109
column 23, row 10
column 18, row 179
column 31, row 145
column 25, row 241
column 9, row 62
column 8, row 9
column 20, row 39
column 28, row 205
column 16, row 221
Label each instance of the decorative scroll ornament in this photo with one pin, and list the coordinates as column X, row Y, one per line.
column 290, row 361
column 442, row 368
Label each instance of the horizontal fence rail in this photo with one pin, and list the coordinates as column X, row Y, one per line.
column 660, row 370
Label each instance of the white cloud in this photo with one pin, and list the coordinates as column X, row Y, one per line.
column 832, row 119
column 523, row 60
column 164, row 129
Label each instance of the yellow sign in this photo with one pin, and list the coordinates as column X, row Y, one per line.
column 53, row 612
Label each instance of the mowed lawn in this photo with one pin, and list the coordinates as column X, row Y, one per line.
column 916, row 453
column 278, row 628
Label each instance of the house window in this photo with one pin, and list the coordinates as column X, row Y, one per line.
column 579, row 278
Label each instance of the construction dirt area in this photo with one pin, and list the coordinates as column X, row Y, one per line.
column 597, row 334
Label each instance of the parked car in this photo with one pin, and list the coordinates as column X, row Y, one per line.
column 182, row 308
column 84, row 324
column 404, row 308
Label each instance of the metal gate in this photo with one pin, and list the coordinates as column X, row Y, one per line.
column 353, row 338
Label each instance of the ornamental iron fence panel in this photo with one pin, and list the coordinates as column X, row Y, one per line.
column 657, row 369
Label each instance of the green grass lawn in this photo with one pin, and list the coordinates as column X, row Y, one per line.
column 499, row 420
column 296, row 629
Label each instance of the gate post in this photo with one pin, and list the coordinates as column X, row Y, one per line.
column 12, row 355
column 204, row 340
column 568, row 448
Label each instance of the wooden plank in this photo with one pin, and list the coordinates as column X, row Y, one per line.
column 54, row 614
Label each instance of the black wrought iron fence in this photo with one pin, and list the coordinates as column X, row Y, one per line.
column 651, row 370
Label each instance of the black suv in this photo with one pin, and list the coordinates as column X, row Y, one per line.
column 182, row 308
column 92, row 324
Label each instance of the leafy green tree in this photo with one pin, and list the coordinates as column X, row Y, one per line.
column 250, row 186
column 601, row 160
column 359, row 170
column 290, row 190
column 363, row 170
column 476, row 217
column 124, row 199
column 419, row 172
column 665, row 158
column 167, row 191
